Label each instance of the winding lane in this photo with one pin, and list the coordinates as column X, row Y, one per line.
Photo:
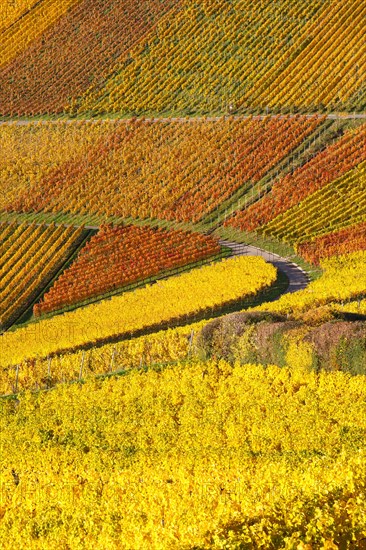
column 298, row 279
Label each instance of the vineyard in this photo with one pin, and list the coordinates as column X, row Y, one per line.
column 48, row 352
column 335, row 243
column 118, row 257
column 338, row 204
column 147, row 169
column 344, row 279
column 214, row 61
column 183, row 296
column 30, row 256
column 331, row 163
column 182, row 274
column 337, row 290
column 94, row 34
column 26, row 29
column 182, row 57
column 198, row 454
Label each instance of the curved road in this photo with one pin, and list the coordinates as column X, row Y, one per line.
column 297, row 277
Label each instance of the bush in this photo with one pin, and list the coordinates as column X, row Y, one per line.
column 265, row 338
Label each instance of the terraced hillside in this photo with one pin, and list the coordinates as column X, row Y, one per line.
column 30, row 257
column 182, row 57
column 292, row 178
column 322, row 201
column 135, row 169
column 118, row 257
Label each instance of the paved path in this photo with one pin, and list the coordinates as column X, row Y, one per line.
column 331, row 116
column 297, row 277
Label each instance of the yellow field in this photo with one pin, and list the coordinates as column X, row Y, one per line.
column 169, row 300
column 202, row 455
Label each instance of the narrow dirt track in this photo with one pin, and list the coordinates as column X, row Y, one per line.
column 298, row 279
column 330, row 116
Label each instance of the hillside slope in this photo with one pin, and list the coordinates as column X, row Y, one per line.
column 183, row 57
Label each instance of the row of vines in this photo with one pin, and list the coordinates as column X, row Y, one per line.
column 144, row 169
column 198, row 455
column 173, row 300
column 30, row 256
column 183, row 57
column 117, row 257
